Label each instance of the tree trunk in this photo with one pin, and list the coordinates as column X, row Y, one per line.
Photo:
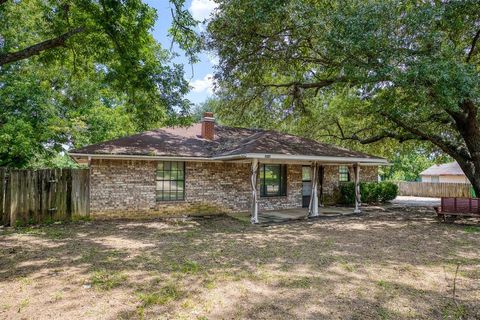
column 475, row 181
column 471, row 172
column 468, row 127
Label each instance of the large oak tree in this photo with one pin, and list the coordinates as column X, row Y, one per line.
column 369, row 70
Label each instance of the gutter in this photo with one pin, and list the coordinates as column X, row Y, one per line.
column 258, row 156
column 327, row 159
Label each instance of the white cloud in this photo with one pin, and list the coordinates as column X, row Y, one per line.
column 201, row 9
column 213, row 58
column 205, row 84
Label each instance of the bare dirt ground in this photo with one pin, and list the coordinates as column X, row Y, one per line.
column 383, row 265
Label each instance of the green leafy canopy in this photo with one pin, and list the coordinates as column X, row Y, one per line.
column 78, row 72
column 355, row 71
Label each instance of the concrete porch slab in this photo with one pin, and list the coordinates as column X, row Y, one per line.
column 280, row 216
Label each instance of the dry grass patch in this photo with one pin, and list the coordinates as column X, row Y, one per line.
column 107, row 279
column 384, row 265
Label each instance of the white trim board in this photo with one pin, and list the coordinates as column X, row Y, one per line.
column 262, row 157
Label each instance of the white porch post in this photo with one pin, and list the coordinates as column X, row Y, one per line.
column 358, row 196
column 321, row 174
column 253, row 181
column 313, row 207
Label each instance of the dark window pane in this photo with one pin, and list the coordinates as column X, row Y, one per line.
column 170, row 183
column 180, row 185
column 272, row 180
column 180, row 175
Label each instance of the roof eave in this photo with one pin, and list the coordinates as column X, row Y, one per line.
column 136, row 157
column 326, row 159
column 260, row 156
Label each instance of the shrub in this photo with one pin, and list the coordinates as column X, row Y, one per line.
column 347, row 193
column 372, row 192
column 389, row 191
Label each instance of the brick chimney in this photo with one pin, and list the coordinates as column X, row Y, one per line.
column 208, row 126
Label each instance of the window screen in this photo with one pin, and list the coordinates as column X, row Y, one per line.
column 170, row 180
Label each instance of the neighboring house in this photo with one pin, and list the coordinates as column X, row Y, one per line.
column 447, row 173
column 224, row 168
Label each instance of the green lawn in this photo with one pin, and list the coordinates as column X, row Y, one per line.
column 389, row 265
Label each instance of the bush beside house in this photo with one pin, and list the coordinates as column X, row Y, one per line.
column 372, row 192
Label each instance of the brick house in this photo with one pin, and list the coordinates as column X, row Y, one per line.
column 211, row 167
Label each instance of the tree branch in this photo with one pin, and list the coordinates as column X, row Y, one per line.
column 385, row 134
column 38, row 48
column 446, row 146
column 472, row 47
column 296, row 84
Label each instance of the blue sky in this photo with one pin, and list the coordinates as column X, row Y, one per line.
column 199, row 75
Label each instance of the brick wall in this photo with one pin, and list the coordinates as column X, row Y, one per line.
column 121, row 185
column 331, row 184
column 126, row 186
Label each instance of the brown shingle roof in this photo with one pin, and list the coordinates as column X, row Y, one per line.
column 187, row 142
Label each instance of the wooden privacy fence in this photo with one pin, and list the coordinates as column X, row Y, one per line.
column 36, row 196
column 429, row 189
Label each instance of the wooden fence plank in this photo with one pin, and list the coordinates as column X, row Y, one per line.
column 7, row 197
column 68, row 195
column 80, row 193
column 35, row 196
column 3, row 178
column 13, row 197
column 430, row 189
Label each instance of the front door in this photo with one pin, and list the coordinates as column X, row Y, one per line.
column 307, row 185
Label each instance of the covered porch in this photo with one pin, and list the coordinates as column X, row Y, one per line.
column 313, row 208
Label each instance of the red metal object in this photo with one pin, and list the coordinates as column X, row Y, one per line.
column 458, row 207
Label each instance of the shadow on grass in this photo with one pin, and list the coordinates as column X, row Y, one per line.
column 289, row 270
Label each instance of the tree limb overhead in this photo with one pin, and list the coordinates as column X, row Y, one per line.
column 38, row 48
column 472, row 47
